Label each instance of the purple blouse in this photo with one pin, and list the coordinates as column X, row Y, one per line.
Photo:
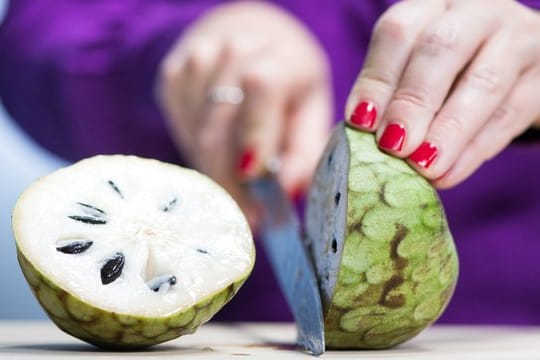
column 78, row 77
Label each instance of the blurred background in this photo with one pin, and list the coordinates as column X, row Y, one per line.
column 21, row 163
column 80, row 78
column 19, row 167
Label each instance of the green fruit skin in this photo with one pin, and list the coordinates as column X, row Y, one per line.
column 399, row 264
column 115, row 331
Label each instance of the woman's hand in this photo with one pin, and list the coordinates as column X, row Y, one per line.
column 448, row 84
column 271, row 98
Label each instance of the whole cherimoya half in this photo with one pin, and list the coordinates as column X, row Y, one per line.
column 125, row 252
column 385, row 259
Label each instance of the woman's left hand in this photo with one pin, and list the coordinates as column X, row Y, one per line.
column 246, row 88
column 448, row 84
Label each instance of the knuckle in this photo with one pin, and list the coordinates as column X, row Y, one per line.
column 439, row 38
column 391, row 26
column 414, row 97
column 378, row 77
column 505, row 119
column 504, row 114
column 258, row 79
column 197, row 61
column 231, row 50
column 398, row 22
column 484, row 77
column 450, row 127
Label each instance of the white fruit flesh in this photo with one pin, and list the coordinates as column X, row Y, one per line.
column 203, row 239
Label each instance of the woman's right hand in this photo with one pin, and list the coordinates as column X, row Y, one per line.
column 448, row 85
column 277, row 77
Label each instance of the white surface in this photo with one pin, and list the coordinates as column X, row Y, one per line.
column 265, row 341
column 21, row 163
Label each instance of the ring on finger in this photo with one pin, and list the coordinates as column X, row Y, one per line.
column 226, row 94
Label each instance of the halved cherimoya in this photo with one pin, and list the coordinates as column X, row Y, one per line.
column 126, row 252
column 384, row 255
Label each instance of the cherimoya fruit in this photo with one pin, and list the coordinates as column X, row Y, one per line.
column 125, row 252
column 385, row 259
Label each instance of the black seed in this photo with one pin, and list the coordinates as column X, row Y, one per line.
column 202, row 251
column 337, row 197
column 156, row 283
column 115, row 188
column 330, row 158
column 334, row 245
column 112, row 268
column 92, row 208
column 88, row 219
column 75, row 247
column 94, row 215
column 169, row 206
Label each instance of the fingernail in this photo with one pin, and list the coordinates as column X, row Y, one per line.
column 393, row 137
column 424, row 155
column 246, row 162
column 364, row 115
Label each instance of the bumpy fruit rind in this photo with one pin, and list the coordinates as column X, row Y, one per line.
column 398, row 265
column 113, row 330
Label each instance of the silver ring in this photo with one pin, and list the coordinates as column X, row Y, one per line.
column 224, row 94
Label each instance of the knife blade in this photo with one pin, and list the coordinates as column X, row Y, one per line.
column 280, row 234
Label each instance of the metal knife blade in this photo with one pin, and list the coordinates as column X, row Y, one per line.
column 280, row 234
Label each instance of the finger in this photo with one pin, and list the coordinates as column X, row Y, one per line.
column 305, row 138
column 262, row 118
column 393, row 39
column 517, row 113
column 478, row 93
column 218, row 122
column 184, row 72
column 217, row 117
column 271, row 93
column 441, row 53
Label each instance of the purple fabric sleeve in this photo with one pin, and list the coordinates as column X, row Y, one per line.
column 535, row 4
column 79, row 75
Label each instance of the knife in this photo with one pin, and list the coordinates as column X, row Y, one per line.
column 280, row 234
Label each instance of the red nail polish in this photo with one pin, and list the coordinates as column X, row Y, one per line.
column 364, row 115
column 393, row 137
column 246, row 161
column 424, row 155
